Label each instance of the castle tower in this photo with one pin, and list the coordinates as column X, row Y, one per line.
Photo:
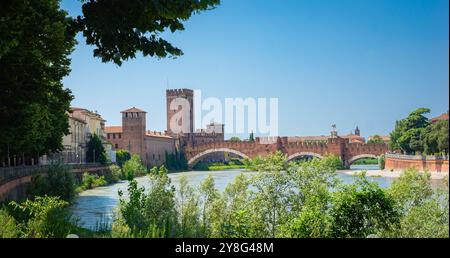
column 180, row 111
column 133, row 126
column 357, row 132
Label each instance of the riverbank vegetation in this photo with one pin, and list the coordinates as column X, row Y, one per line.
column 366, row 161
column 303, row 199
column 296, row 199
column 214, row 166
column 416, row 134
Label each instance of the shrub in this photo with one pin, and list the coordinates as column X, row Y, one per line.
column 90, row 181
column 8, row 228
column 59, row 181
column 133, row 168
column 46, row 217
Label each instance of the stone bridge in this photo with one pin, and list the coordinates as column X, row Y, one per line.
column 14, row 180
column 341, row 147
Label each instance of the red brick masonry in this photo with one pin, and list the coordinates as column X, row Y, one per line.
column 422, row 163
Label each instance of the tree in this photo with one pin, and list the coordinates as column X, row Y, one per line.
column 376, row 139
column 252, row 137
column 120, row 28
column 235, row 139
column 36, row 40
column 59, row 182
column 95, row 150
column 35, row 44
column 133, row 167
column 361, row 209
column 435, row 138
column 407, row 135
column 122, row 156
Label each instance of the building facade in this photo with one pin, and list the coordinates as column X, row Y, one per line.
column 75, row 142
column 132, row 136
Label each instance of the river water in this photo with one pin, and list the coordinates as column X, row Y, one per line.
column 95, row 205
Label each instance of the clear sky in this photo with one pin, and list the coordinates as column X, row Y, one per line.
column 361, row 62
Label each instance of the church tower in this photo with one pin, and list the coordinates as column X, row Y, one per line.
column 180, row 111
column 133, row 131
column 357, row 132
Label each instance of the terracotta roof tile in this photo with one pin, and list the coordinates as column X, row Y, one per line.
column 113, row 129
column 133, row 109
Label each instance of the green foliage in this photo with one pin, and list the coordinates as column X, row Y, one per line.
column 115, row 174
column 176, row 161
column 139, row 27
column 90, row 181
column 59, row 182
column 376, row 139
column 436, row 139
column 36, row 40
column 252, row 137
column 296, row 199
column 151, row 214
column 424, row 213
column 366, row 161
column 235, row 139
column 382, row 161
column 35, row 44
column 412, row 188
column 407, row 135
column 95, row 150
column 9, row 228
column 361, row 209
column 122, row 156
column 133, row 168
column 333, row 161
column 46, row 217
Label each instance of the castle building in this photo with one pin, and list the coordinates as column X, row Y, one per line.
column 180, row 104
column 132, row 136
column 152, row 146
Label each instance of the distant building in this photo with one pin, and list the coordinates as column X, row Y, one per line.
column 94, row 121
column 75, row 142
column 151, row 146
column 443, row 116
column 385, row 138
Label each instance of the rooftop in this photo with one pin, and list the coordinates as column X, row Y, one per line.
column 133, row 109
column 443, row 116
column 113, row 129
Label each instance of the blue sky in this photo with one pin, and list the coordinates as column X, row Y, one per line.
column 360, row 62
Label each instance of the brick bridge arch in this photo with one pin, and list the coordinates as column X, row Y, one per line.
column 361, row 156
column 304, row 154
column 341, row 147
column 192, row 161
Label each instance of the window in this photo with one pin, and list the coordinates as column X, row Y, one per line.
column 114, row 136
column 108, row 136
column 159, row 156
column 116, row 146
column 120, row 135
column 153, row 156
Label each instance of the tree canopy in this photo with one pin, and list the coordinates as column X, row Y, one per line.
column 416, row 133
column 36, row 39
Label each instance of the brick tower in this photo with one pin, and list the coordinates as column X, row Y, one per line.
column 175, row 99
column 133, row 124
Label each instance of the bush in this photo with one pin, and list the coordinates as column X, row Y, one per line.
column 46, row 217
column 333, row 161
column 122, row 156
column 8, row 228
column 382, row 161
column 59, row 182
column 90, row 181
column 133, row 168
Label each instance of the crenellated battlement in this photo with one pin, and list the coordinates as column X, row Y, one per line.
column 178, row 92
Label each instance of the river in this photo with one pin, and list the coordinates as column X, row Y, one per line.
column 95, row 205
